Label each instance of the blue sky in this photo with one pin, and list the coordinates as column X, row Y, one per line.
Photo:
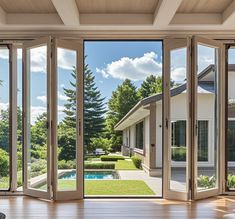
column 99, row 54
column 110, row 61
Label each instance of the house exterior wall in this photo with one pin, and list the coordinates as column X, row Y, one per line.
column 178, row 112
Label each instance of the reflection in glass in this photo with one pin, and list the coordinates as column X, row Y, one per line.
column 206, row 108
column 178, row 117
column 37, row 118
column 230, row 147
column 66, row 119
column 4, row 120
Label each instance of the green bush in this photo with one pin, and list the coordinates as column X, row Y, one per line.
column 103, row 143
column 137, row 161
column 38, row 167
column 178, row 153
column 4, row 163
column 231, row 181
column 19, row 179
column 111, row 158
column 206, row 181
column 89, row 165
column 89, row 157
column 63, row 164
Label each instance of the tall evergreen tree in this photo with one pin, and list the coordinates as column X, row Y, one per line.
column 94, row 111
column 121, row 101
column 150, row 86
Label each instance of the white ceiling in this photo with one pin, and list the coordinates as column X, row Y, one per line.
column 117, row 15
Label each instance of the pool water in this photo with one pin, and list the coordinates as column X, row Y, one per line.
column 92, row 175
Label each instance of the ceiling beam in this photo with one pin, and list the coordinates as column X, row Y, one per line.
column 228, row 15
column 36, row 19
column 68, row 12
column 196, row 19
column 165, row 11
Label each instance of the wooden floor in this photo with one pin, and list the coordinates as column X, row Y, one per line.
column 26, row 207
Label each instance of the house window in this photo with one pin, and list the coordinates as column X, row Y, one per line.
column 178, row 140
column 231, row 140
column 139, row 135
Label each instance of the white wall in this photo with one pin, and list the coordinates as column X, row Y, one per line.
column 179, row 112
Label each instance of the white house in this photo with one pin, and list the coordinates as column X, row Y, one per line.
column 142, row 125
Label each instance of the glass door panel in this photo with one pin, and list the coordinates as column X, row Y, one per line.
column 176, row 119
column 67, row 120
column 230, row 121
column 206, row 141
column 36, row 118
column 5, row 149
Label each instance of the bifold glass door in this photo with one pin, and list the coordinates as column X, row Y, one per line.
column 36, row 112
column 176, row 119
column 207, row 74
column 67, row 120
column 53, row 120
column 192, row 131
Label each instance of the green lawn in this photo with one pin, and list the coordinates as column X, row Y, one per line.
column 117, row 187
column 109, row 187
column 125, row 165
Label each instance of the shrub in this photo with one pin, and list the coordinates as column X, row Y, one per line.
column 206, row 181
column 231, row 181
column 103, row 143
column 111, row 158
column 89, row 157
column 38, row 167
column 19, row 179
column 63, row 164
column 89, row 165
column 4, row 163
column 178, row 153
column 137, row 161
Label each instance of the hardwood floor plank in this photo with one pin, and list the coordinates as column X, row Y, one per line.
column 27, row 207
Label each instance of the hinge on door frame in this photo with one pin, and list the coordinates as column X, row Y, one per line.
column 166, row 123
column 190, row 184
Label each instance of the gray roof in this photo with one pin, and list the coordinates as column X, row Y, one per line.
column 204, row 86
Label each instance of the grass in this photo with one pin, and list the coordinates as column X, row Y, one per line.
column 109, row 187
column 125, row 165
column 117, row 187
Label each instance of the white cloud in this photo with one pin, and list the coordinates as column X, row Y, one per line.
column 36, row 111
column 178, row 74
column 4, row 106
column 38, row 59
column 132, row 68
column 4, row 53
column 66, row 59
column 62, row 96
column 42, row 98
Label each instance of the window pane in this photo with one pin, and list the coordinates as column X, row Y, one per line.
column 202, row 140
column 4, row 120
column 66, row 119
column 37, row 118
column 140, row 135
column 178, row 109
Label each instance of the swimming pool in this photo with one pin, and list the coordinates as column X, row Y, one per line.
column 92, row 175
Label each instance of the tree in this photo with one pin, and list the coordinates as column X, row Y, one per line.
column 39, row 137
column 94, row 111
column 4, row 128
column 121, row 101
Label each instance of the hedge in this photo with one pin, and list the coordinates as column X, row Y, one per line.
column 137, row 161
column 111, row 158
column 99, row 165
